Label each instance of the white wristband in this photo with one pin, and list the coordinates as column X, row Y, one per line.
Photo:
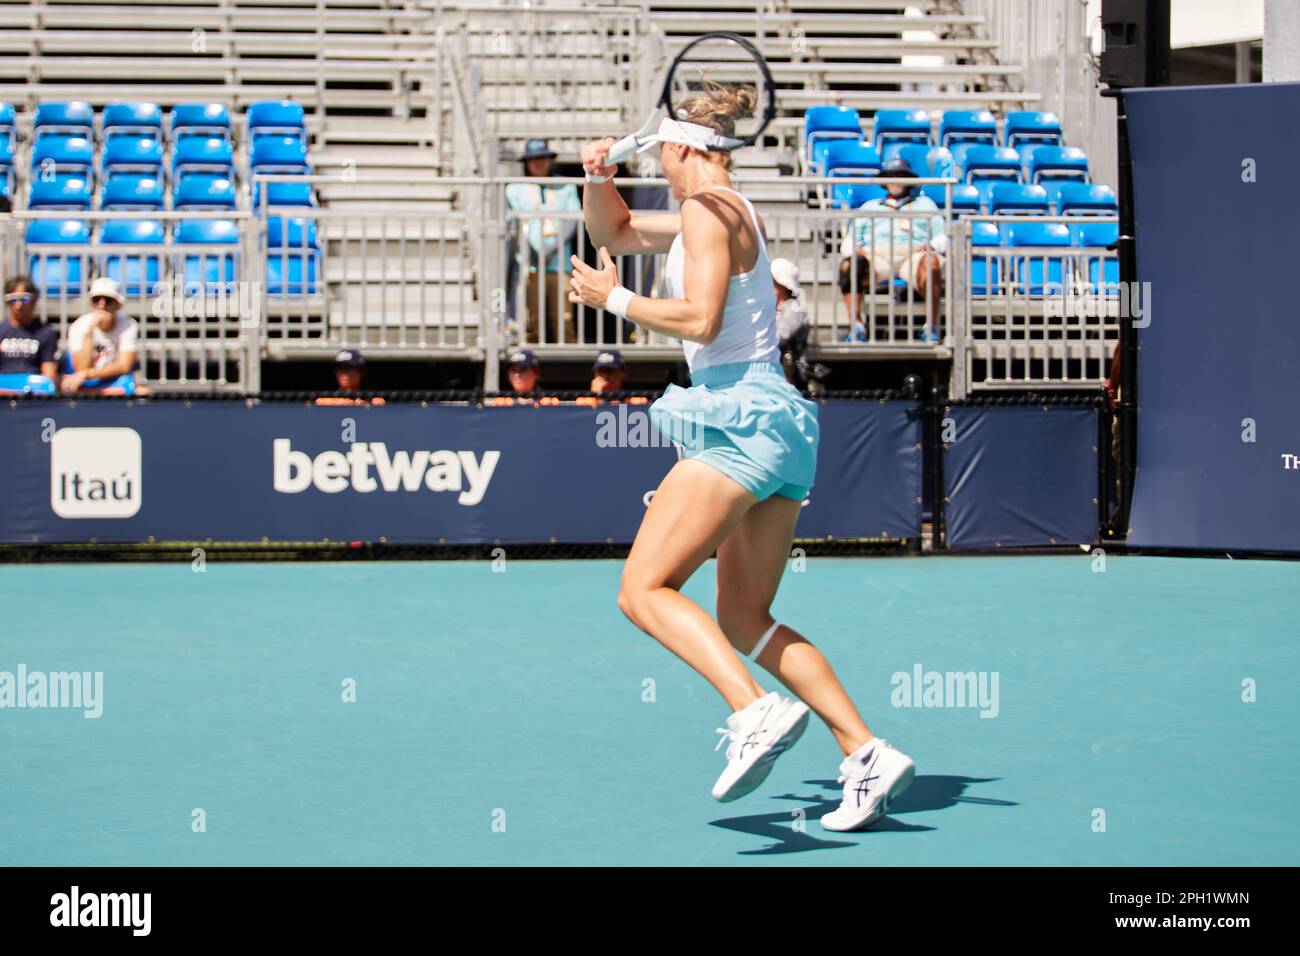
column 618, row 300
column 597, row 179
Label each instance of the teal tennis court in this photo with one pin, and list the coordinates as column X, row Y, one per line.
column 514, row 717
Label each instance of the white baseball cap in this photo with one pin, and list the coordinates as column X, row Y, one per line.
column 786, row 273
column 106, row 287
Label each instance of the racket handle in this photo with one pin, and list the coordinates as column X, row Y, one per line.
column 621, row 151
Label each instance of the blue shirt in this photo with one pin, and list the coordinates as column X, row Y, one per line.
column 23, row 350
column 549, row 238
column 879, row 230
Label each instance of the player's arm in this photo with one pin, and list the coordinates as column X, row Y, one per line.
column 610, row 223
column 698, row 316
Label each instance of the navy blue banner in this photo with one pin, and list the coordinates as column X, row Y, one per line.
column 1219, row 372
column 1020, row 476
column 164, row 471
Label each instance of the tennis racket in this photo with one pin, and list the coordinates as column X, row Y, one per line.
column 726, row 59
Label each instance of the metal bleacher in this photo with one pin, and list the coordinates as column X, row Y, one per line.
column 415, row 111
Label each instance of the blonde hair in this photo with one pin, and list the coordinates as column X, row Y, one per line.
column 718, row 107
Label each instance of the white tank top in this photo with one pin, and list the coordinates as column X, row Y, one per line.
column 749, row 316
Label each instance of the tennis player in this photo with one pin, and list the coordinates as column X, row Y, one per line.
column 748, row 444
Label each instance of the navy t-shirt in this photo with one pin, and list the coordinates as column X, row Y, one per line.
column 22, row 350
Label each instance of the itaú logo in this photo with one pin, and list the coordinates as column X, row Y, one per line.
column 95, row 472
column 369, row 466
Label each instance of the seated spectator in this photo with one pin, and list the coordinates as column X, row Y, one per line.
column 349, row 373
column 884, row 248
column 28, row 347
column 791, row 323
column 103, row 344
column 607, row 376
column 550, row 244
column 522, row 372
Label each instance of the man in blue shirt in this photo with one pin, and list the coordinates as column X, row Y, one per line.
column 27, row 345
column 550, row 243
column 882, row 248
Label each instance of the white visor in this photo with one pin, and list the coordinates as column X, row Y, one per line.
column 687, row 134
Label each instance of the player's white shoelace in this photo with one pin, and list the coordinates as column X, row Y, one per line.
column 735, row 737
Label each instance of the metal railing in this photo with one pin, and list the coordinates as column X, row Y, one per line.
column 891, row 317
column 564, row 72
column 1039, row 317
column 451, row 283
column 199, row 313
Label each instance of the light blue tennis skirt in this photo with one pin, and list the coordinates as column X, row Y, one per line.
column 747, row 421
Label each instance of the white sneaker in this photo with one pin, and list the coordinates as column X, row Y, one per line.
column 873, row 777
column 759, row 734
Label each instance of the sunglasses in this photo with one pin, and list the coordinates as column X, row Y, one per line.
column 23, row 297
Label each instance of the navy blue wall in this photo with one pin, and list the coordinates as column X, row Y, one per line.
column 1223, row 345
column 209, row 471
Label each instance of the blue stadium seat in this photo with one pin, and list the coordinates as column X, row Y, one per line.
column 985, row 271
column 977, row 161
column 1057, row 162
column 75, row 118
column 852, row 197
column 1039, row 274
column 136, row 274
column 293, row 258
column 965, row 199
column 6, row 163
column 62, row 154
column 941, row 163
column 925, row 161
column 146, row 118
column 1103, row 274
column 284, row 194
column 131, row 153
column 204, row 191
column 982, row 166
column 900, row 126
column 1086, row 199
column 8, row 119
column 203, row 154
column 1007, row 199
column 127, row 191
column 279, row 154
column 1094, row 234
column 824, row 125
column 277, row 117
column 1022, row 127
column 849, row 158
column 60, row 191
column 212, row 270
column 57, row 255
column 205, row 119
column 968, row 126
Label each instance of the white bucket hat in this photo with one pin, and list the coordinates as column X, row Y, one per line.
column 106, row 287
column 786, row 274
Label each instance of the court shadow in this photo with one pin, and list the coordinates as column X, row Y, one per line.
column 796, row 831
